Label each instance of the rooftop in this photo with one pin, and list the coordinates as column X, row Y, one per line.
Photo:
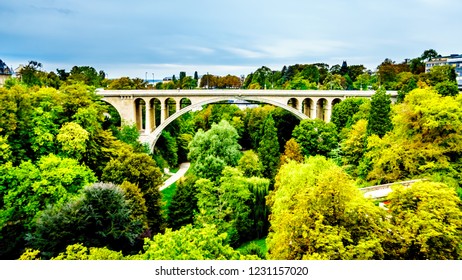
column 4, row 69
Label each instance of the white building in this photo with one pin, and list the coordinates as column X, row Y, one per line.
column 454, row 60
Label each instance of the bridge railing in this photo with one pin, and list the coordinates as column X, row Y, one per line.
column 387, row 186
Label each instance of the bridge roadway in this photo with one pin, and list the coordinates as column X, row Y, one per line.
column 381, row 191
column 168, row 105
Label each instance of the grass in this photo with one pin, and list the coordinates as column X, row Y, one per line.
column 167, row 195
column 259, row 242
column 174, row 170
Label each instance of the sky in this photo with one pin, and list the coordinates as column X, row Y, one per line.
column 160, row 38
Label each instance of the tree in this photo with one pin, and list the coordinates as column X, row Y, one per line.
column 30, row 190
column 211, row 151
column 136, row 203
column 87, row 75
column 141, row 170
column 388, row 72
column 80, row 252
column 334, row 82
column 315, row 137
column 30, row 73
column 254, row 120
column 86, row 220
column 429, row 55
column 379, row 121
column 441, row 73
column 447, row 88
column 250, row 164
column 72, row 138
column 354, row 146
column 427, row 222
column 363, row 81
column 183, row 141
column 183, row 206
column 5, row 152
column 235, row 204
column 168, row 148
column 268, row 149
column 424, row 140
column 292, row 151
column 285, row 123
column 182, row 76
column 189, row 243
column 343, row 112
column 16, row 110
column 318, row 213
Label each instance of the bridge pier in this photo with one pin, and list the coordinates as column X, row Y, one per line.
column 148, row 117
column 328, row 112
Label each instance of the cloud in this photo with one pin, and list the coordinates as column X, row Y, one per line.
column 244, row 53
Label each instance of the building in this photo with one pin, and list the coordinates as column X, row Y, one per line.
column 454, row 60
column 5, row 72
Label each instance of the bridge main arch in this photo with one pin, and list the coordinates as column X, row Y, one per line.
column 301, row 103
column 152, row 137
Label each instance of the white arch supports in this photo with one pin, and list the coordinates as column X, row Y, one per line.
column 302, row 103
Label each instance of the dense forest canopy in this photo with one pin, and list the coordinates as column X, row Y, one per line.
column 76, row 183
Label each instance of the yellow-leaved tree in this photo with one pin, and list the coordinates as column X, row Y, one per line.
column 318, row 213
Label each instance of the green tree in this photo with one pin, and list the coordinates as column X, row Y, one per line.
column 16, row 110
column 429, row 55
column 183, row 141
column 141, row 170
column 183, row 206
column 379, row 121
column 189, row 243
column 250, row 164
column 136, row 202
column 80, row 252
column 72, row 138
column 254, row 120
column 30, row 73
column 168, row 148
column 87, row 75
column 211, row 151
column 441, row 73
column 235, row 204
column 318, row 213
column 316, row 137
column 28, row 189
column 447, row 88
column 268, row 149
column 85, row 220
column 354, row 146
column 343, row 112
column 5, row 152
column 129, row 134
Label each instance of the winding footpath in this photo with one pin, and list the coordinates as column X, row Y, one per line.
column 183, row 168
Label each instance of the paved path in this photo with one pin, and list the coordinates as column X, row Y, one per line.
column 183, row 168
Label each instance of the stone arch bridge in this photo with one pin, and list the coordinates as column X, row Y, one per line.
column 153, row 110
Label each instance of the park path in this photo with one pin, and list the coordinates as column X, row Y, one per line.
column 183, row 168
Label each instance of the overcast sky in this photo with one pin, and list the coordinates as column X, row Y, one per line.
column 163, row 37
